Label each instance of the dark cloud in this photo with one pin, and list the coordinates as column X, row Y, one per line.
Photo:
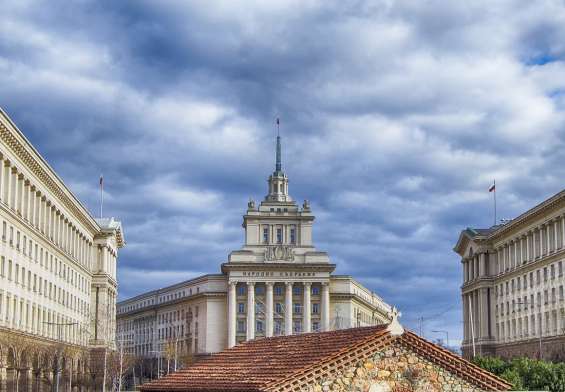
column 396, row 117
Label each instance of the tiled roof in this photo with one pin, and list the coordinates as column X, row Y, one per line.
column 263, row 364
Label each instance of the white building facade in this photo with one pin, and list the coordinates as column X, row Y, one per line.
column 513, row 282
column 57, row 263
column 278, row 283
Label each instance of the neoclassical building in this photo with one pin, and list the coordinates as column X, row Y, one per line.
column 278, row 283
column 58, row 283
column 512, row 292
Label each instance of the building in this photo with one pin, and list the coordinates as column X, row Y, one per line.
column 277, row 284
column 512, row 292
column 57, row 264
column 375, row 359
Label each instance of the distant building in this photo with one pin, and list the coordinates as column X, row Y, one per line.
column 374, row 359
column 57, row 265
column 513, row 284
column 277, row 284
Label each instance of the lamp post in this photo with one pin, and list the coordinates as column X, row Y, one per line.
column 446, row 336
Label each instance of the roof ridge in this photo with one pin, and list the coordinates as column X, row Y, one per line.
column 408, row 338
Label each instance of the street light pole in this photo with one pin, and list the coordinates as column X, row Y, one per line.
column 446, row 336
column 59, row 326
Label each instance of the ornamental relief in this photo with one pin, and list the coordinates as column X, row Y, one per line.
column 279, row 253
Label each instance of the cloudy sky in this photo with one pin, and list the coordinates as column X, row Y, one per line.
column 396, row 116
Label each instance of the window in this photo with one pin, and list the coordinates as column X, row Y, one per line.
column 259, row 290
column 297, row 308
column 259, row 326
column 296, row 290
column 278, row 308
column 293, row 235
column 315, row 290
column 240, row 325
column 278, row 326
column 315, row 326
column 241, row 307
column 266, row 235
column 297, row 326
column 545, row 274
column 241, row 290
column 278, row 290
column 315, row 308
column 279, row 235
column 552, row 271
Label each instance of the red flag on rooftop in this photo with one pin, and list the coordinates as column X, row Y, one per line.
column 492, row 188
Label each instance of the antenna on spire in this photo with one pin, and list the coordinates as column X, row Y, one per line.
column 278, row 165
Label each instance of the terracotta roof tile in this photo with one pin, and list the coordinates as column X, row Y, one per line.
column 264, row 363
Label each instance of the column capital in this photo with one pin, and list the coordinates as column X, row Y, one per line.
column 269, row 284
column 289, row 284
column 307, row 284
column 233, row 282
column 250, row 284
column 325, row 283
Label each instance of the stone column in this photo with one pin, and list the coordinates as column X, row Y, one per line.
column 269, row 309
column 307, row 308
column 325, row 306
column 555, row 225
column 3, row 376
column 250, row 310
column 288, row 309
column 482, row 271
column 231, row 314
column 562, row 231
column 547, row 236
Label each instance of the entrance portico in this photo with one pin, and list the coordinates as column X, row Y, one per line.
column 277, row 299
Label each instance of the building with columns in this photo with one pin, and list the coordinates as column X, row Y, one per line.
column 512, row 292
column 57, row 265
column 278, row 283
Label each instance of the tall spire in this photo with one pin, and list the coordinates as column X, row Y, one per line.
column 279, row 164
column 278, row 181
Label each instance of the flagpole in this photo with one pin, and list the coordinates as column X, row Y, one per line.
column 101, row 194
column 495, row 202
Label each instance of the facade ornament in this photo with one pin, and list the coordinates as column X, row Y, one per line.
column 251, row 204
column 395, row 328
column 306, row 205
column 279, row 253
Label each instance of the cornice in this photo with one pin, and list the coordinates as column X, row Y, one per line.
column 324, row 267
column 21, row 147
column 531, row 214
column 177, row 301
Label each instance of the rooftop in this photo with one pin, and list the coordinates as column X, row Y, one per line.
column 264, row 364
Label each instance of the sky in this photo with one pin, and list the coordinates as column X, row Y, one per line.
column 396, row 116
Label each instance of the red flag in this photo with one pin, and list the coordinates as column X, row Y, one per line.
column 492, row 188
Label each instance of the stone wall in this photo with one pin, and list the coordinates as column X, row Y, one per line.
column 552, row 349
column 396, row 369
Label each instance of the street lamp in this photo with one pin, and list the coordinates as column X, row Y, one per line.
column 446, row 336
